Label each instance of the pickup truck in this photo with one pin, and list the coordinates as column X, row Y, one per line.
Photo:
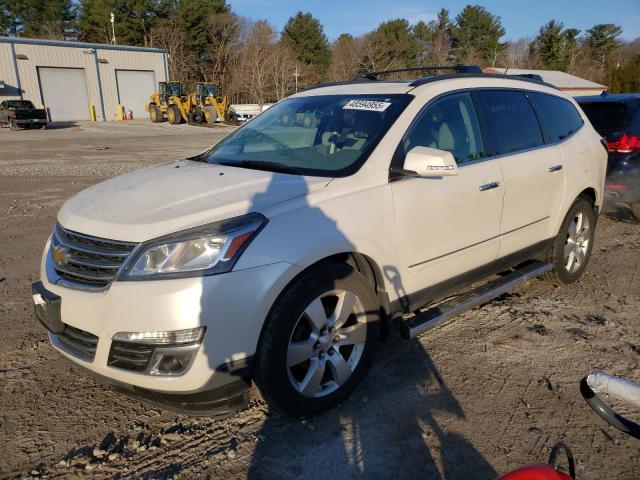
column 22, row 113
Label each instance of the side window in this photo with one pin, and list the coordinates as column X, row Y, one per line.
column 450, row 124
column 513, row 120
column 559, row 118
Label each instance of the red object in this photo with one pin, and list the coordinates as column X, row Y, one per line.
column 12, row 114
column 536, row 472
column 625, row 144
column 616, row 186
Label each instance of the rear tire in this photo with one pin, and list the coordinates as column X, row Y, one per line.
column 635, row 211
column 318, row 341
column 173, row 115
column 210, row 115
column 155, row 114
column 572, row 246
column 196, row 117
column 232, row 118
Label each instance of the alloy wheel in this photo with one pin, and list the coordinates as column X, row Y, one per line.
column 327, row 343
column 577, row 244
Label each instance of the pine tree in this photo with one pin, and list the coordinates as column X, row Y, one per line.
column 304, row 35
column 54, row 19
column 193, row 16
column 601, row 40
column 556, row 47
column 477, row 36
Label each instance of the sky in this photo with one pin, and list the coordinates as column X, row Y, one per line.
column 519, row 18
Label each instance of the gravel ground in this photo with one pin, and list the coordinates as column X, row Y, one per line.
column 493, row 390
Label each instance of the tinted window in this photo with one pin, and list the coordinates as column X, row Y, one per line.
column 608, row 116
column 513, row 121
column 450, row 124
column 559, row 118
column 19, row 104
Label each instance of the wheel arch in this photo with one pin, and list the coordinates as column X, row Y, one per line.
column 362, row 263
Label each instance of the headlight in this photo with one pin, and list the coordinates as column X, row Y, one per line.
column 206, row 250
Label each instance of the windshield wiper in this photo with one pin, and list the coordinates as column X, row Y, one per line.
column 267, row 166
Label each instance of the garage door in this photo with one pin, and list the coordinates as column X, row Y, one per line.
column 134, row 89
column 64, row 92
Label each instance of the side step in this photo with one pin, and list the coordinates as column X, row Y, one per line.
column 432, row 317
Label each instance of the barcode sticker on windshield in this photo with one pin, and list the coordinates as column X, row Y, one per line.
column 370, row 105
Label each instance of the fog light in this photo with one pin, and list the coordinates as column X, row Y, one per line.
column 189, row 335
column 172, row 361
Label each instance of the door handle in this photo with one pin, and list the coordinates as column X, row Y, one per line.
column 555, row 168
column 489, row 186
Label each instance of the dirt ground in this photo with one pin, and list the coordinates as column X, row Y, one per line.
column 493, row 390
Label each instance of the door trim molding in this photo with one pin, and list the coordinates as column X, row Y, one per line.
column 479, row 243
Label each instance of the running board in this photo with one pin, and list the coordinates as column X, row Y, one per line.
column 432, row 317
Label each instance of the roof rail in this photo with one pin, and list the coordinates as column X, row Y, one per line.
column 373, row 76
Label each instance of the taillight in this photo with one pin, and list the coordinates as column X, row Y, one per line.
column 625, row 144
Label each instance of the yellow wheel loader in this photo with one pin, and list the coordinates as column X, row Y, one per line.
column 203, row 105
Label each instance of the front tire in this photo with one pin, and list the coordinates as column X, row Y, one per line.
column 173, row 115
column 155, row 114
column 319, row 341
column 572, row 246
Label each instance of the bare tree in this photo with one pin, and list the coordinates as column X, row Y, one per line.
column 345, row 57
column 253, row 73
column 225, row 29
column 171, row 36
column 283, row 66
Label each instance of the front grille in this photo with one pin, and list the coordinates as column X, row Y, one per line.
column 88, row 261
column 78, row 342
column 130, row 356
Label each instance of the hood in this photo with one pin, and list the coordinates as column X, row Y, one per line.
column 174, row 196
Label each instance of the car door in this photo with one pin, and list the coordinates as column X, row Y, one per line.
column 533, row 173
column 447, row 226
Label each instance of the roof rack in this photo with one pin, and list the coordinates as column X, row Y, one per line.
column 373, row 76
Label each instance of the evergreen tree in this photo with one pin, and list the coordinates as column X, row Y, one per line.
column 54, row 19
column 556, row 46
column 477, row 36
column 12, row 14
column 304, row 35
column 134, row 20
column 194, row 16
column 601, row 40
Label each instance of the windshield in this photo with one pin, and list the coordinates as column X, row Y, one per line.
column 20, row 105
column 328, row 135
column 608, row 116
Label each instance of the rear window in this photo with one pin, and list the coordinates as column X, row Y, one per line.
column 609, row 116
column 19, row 104
column 512, row 119
column 559, row 118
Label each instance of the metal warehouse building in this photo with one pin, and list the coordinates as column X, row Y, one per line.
column 70, row 78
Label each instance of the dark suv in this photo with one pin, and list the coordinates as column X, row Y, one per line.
column 617, row 119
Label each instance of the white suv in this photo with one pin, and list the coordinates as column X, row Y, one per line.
column 281, row 254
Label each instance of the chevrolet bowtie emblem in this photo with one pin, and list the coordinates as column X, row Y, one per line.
column 60, row 255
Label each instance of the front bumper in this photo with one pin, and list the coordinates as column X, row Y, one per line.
column 232, row 306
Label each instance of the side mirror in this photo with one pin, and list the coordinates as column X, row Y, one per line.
column 430, row 162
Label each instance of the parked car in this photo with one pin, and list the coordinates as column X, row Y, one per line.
column 617, row 119
column 22, row 113
column 282, row 254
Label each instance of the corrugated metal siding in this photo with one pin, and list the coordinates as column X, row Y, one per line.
column 123, row 60
column 7, row 75
column 73, row 57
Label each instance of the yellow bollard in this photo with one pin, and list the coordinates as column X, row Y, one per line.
column 120, row 112
column 92, row 111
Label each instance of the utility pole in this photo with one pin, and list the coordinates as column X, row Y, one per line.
column 296, row 74
column 113, row 30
